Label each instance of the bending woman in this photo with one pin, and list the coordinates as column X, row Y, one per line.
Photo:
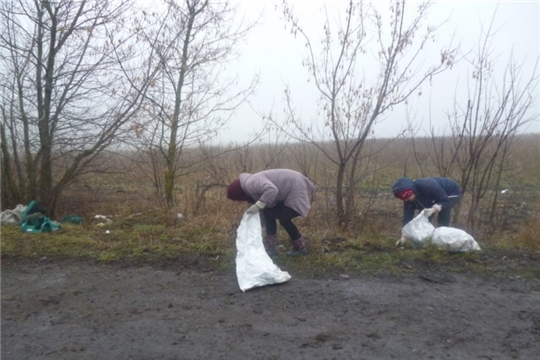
column 279, row 195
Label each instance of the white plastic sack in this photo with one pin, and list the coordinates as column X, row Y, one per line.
column 419, row 229
column 253, row 265
column 12, row 217
column 455, row 240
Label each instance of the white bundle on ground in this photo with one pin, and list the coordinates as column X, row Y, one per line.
column 421, row 232
column 254, row 267
column 12, row 217
column 454, row 240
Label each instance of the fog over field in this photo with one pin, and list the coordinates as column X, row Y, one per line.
column 273, row 52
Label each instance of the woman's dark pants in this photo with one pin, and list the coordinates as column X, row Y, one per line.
column 284, row 215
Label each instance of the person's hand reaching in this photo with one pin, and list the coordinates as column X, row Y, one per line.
column 433, row 210
column 255, row 208
column 401, row 241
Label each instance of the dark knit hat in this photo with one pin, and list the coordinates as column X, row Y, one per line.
column 404, row 194
column 236, row 193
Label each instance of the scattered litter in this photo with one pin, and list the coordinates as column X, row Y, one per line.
column 30, row 218
column 12, row 217
column 33, row 220
column 102, row 217
column 74, row 219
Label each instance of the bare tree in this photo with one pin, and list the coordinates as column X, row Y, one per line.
column 484, row 129
column 484, row 125
column 352, row 100
column 63, row 98
column 189, row 45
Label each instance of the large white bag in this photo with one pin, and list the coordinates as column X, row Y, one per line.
column 454, row 240
column 421, row 232
column 419, row 229
column 253, row 265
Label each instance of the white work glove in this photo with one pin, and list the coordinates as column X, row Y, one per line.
column 435, row 209
column 401, row 241
column 255, row 208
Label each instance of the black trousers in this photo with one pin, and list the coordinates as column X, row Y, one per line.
column 284, row 215
column 443, row 218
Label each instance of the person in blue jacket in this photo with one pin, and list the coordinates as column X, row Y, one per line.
column 438, row 195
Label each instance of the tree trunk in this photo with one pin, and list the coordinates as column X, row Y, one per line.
column 339, row 195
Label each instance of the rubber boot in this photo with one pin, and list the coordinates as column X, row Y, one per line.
column 270, row 245
column 298, row 248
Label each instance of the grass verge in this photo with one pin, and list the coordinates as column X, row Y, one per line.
column 207, row 248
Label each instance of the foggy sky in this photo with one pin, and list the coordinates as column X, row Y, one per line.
column 276, row 55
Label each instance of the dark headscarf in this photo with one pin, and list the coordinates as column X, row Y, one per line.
column 236, row 193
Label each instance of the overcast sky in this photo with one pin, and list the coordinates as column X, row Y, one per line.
column 276, row 55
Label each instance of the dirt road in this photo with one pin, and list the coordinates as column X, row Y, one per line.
column 67, row 310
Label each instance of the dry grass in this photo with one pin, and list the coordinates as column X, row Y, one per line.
column 528, row 236
column 144, row 230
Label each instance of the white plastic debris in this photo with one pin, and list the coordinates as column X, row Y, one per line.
column 12, row 217
column 102, row 217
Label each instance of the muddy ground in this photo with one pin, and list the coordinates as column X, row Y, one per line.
column 80, row 310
